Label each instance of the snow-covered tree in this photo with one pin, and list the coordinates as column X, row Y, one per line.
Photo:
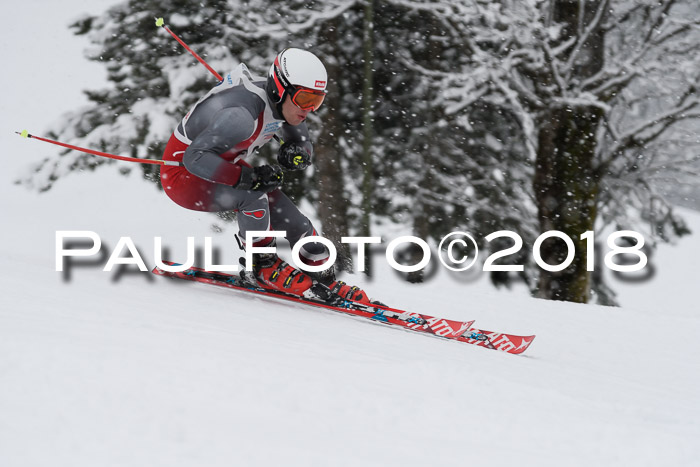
column 527, row 115
column 603, row 92
column 154, row 81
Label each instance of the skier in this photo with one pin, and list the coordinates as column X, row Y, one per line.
column 226, row 126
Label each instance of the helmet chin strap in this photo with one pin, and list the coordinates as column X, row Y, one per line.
column 276, row 104
column 278, row 107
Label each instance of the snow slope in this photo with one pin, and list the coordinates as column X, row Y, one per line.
column 135, row 370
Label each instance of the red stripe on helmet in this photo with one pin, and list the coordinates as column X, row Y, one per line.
column 278, row 83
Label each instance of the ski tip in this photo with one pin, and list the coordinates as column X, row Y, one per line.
column 524, row 344
column 159, row 22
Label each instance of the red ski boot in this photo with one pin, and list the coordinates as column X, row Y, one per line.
column 347, row 292
column 274, row 274
column 340, row 288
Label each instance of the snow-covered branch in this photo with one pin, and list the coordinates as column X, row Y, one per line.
column 257, row 23
column 634, row 136
column 525, row 118
column 583, row 37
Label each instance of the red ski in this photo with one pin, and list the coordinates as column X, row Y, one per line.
column 438, row 327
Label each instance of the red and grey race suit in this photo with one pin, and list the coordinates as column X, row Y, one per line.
column 213, row 140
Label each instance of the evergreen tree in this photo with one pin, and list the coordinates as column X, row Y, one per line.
column 483, row 116
column 154, row 81
column 600, row 91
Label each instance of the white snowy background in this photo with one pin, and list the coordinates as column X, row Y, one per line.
column 137, row 370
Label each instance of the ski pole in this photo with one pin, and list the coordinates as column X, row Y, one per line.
column 160, row 23
column 25, row 134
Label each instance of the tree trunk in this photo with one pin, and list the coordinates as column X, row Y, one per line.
column 421, row 229
column 367, row 130
column 566, row 185
column 566, row 190
column 332, row 204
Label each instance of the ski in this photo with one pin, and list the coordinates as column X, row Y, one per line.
column 433, row 326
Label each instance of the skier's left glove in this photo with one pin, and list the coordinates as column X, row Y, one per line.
column 293, row 156
column 265, row 178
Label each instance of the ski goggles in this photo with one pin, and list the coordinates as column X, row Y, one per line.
column 306, row 99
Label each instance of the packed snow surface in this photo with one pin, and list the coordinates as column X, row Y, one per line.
column 133, row 369
column 103, row 369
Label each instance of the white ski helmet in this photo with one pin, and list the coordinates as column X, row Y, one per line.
column 299, row 73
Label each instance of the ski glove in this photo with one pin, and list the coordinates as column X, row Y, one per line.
column 293, row 156
column 265, row 178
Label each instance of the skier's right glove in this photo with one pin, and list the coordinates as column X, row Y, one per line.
column 293, row 156
column 265, row 178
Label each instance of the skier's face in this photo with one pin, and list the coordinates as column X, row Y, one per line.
column 293, row 114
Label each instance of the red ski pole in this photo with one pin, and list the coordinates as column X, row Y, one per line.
column 161, row 23
column 25, row 134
